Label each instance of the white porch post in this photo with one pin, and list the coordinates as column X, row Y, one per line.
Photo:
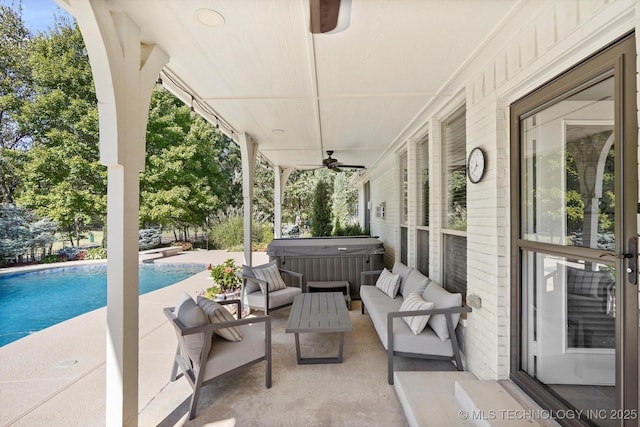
column 124, row 71
column 248, row 150
column 280, row 181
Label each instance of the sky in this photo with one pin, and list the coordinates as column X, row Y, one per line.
column 38, row 15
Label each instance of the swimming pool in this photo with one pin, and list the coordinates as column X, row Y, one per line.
column 35, row 300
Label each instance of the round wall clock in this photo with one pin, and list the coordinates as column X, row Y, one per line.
column 475, row 165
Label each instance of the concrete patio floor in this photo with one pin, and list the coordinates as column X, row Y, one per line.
column 56, row 377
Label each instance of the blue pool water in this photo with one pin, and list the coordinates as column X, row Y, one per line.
column 36, row 300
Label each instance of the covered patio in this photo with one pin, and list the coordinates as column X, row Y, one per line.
column 404, row 89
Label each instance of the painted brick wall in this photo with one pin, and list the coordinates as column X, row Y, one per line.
column 560, row 34
column 384, row 188
column 540, row 41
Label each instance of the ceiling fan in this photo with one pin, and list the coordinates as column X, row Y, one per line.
column 335, row 165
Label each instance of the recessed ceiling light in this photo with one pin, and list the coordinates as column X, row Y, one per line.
column 209, row 17
column 277, row 130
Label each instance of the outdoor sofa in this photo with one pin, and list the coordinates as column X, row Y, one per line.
column 413, row 315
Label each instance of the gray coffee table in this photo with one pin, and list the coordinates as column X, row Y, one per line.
column 322, row 312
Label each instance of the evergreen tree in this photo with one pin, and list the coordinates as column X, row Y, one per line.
column 321, row 210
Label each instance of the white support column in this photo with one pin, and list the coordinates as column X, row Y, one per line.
column 280, row 181
column 248, row 150
column 124, row 71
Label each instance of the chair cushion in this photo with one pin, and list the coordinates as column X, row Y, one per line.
column 270, row 274
column 217, row 313
column 276, row 299
column 403, row 271
column 388, row 283
column 227, row 355
column 442, row 299
column 416, row 283
column 415, row 302
column 191, row 315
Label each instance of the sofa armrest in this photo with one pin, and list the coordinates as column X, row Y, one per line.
column 452, row 332
column 293, row 274
column 365, row 274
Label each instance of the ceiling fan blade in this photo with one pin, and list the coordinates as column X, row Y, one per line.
column 324, row 15
column 353, row 166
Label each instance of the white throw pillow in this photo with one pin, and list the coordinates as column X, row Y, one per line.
column 388, row 283
column 191, row 315
column 270, row 274
column 217, row 313
column 414, row 302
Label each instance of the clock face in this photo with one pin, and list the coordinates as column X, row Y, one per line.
column 475, row 165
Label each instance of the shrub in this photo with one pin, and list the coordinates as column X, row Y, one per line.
column 149, row 238
column 49, row 259
column 96, row 253
column 224, row 275
column 186, row 246
column 228, row 232
column 70, row 253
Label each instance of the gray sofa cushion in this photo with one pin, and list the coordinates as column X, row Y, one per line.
column 403, row 271
column 416, row 283
column 442, row 299
column 378, row 305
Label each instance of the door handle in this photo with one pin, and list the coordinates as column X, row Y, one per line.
column 632, row 257
column 632, row 263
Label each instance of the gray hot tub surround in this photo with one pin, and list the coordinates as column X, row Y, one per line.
column 329, row 258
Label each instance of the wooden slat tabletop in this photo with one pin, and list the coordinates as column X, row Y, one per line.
column 319, row 312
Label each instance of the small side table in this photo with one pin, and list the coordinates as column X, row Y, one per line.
column 339, row 284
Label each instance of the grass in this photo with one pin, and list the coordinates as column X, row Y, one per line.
column 63, row 242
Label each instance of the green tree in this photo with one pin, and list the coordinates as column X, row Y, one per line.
column 15, row 90
column 190, row 170
column 321, row 210
column 21, row 233
column 263, row 189
column 343, row 200
column 62, row 178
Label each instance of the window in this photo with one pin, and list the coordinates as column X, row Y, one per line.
column 404, row 189
column 422, row 151
column 455, row 143
column 454, row 238
column 422, row 233
column 404, row 206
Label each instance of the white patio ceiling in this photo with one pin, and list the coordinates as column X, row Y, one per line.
column 352, row 92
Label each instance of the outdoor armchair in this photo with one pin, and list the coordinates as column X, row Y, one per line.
column 203, row 355
column 263, row 287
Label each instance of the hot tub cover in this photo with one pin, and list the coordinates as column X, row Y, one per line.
column 325, row 246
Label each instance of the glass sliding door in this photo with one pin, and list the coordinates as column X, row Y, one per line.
column 574, row 262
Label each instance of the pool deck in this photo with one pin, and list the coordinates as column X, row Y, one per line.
column 56, row 377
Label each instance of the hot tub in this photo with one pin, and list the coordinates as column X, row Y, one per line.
column 329, row 258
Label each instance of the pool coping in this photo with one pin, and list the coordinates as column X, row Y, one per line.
column 57, row 376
